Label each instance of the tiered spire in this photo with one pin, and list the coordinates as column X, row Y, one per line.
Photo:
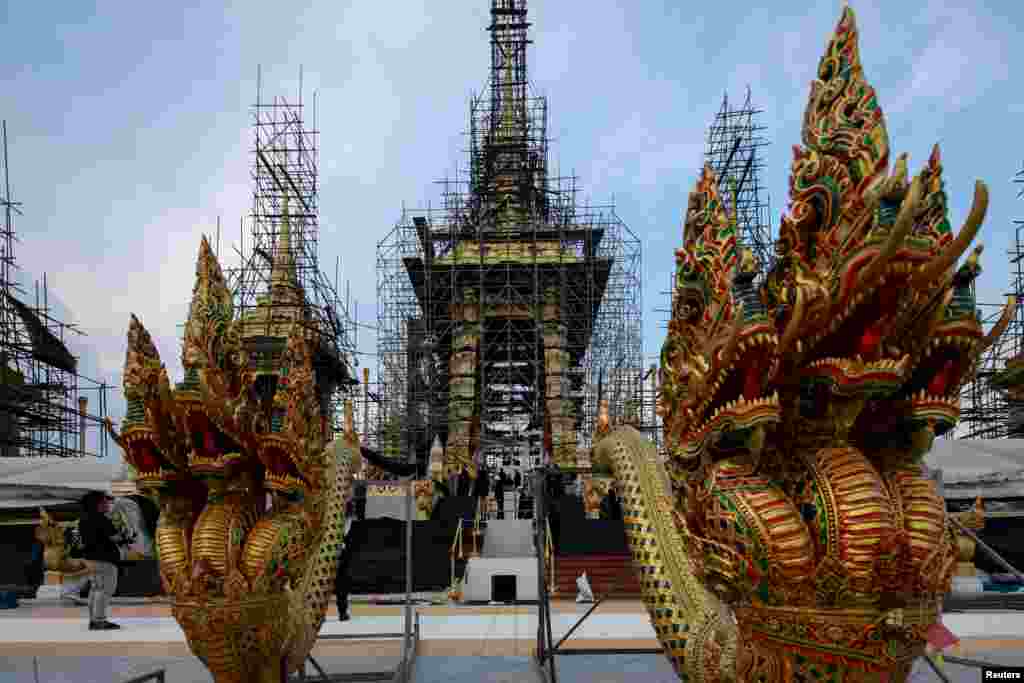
column 283, row 305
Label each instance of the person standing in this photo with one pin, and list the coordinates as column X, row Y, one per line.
column 519, row 480
column 555, row 489
column 499, row 494
column 611, row 506
column 100, row 546
column 343, row 579
column 35, row 572
column 359, row 500
column 485, row 482
column 481, row 489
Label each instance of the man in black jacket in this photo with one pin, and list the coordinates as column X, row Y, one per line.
column 100, row 546
column 499, row 494
column 343, row 579
column 611, row 506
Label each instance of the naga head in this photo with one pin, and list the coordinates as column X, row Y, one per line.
column 150, row 431
column 719, row 344
column 797, row 411
column 296, row 432
column 225, row 423
column 245, row 427
column 869, row 268
column 231, row 425
column 216, row 384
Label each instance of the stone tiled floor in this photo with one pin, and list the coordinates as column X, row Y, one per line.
column 459, row 644
column 595, row 669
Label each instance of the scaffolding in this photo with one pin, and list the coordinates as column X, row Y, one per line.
column 986, row 412
column 734, row 151
column 44, row 402
column 983, row 408
column 279, row 281
column 503, row 311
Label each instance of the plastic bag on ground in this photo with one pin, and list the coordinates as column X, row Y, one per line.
column 584, row 594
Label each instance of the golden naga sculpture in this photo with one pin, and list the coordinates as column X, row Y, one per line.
column 249, row 581
column 56, row 554
column 794, row 534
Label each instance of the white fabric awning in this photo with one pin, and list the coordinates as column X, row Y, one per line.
column 42, row 482
column 968, row 460
column 23, row 503
column 990, row 468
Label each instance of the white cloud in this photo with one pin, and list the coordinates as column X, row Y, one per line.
column 962, row 60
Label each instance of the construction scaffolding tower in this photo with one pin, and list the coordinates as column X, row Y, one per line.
column 44, row 402
column 985, row 410
column 368, row 413
column 502, row 311
column 279, row 282
column 734, row 151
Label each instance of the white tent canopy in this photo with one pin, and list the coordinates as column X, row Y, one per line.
column 970, row 467
column 41, row 482
column 993, row 468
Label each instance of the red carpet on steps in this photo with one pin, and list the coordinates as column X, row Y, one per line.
column 610, row 576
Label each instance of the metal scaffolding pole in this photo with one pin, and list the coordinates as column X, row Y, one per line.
column 44, row 399
column 985, row 409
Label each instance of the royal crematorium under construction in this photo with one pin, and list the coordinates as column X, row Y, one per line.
column 509, row 311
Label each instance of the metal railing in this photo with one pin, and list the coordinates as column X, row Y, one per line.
column 456, row 552
column 961, row 661
column 476, row 528
column 1001, row 561
column 158, row 676
column 549, row 556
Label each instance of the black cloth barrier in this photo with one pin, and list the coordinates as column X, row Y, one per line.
column 592, row 537
column 378, row 556
column 451, row 508
column 1003, row 534
column 138, row 579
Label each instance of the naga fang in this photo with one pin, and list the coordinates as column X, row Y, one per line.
column 251, row 487
column 793, row 533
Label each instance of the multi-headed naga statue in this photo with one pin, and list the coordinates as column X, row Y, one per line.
column 250, row 582
column 793, row 534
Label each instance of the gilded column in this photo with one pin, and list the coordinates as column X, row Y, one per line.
column 965, row 578
column 559, row 408
column 462, row 388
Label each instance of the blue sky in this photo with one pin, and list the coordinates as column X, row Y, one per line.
column 129, row 124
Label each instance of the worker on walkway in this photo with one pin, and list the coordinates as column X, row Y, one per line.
column 463, row 483
column 101, row 546
column 499, row 494
column 343, row 579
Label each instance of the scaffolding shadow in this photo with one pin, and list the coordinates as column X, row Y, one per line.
column 410, row 634
column 547, row 648
column 403, row 673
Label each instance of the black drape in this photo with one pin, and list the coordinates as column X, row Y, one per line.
column 399, row 469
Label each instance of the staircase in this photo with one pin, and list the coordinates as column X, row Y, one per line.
column 610, row 576
column 525, row 506
column 508, row 538
column 510, row 505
